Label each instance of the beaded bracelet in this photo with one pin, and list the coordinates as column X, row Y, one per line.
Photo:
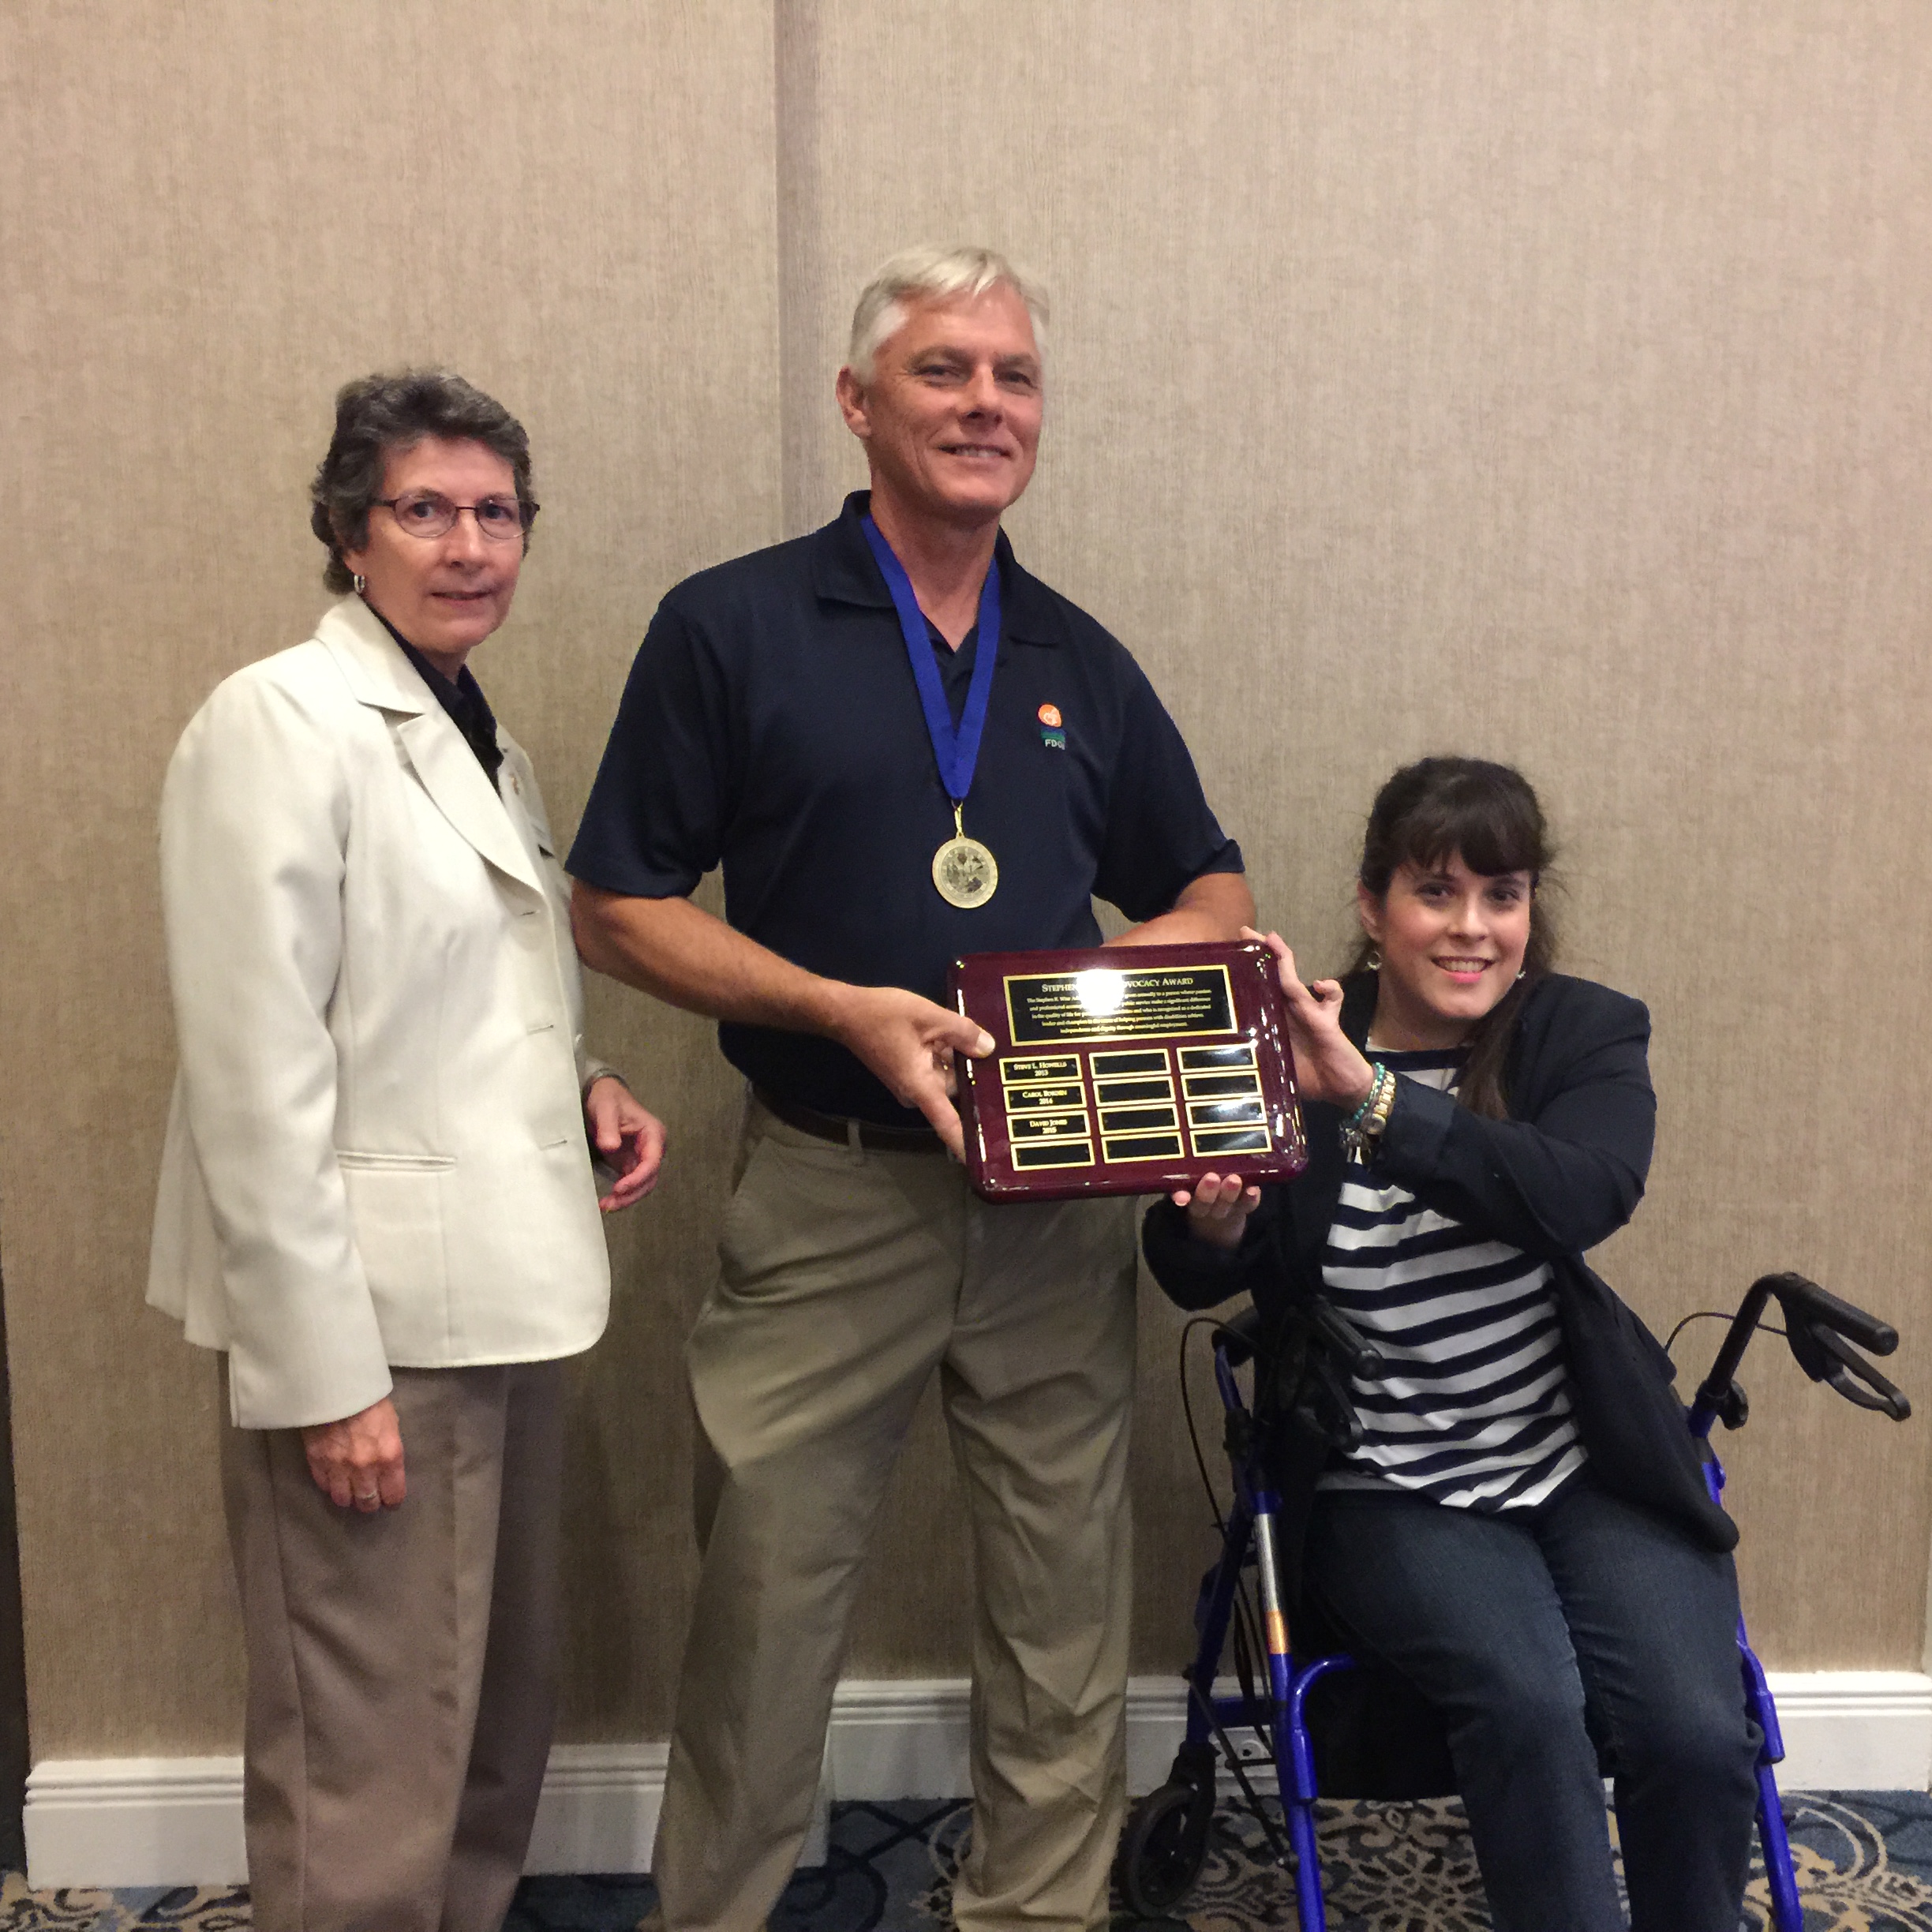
column 1362, row 1131
column 1376, row 1071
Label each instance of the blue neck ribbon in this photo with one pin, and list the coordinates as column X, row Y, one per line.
column 957, row 752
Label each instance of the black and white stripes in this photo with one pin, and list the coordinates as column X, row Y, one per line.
column 1473, row 1407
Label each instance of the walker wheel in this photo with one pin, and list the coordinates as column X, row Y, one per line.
column 1164, row 1848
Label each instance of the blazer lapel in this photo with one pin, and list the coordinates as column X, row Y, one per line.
column 452, row 776
column 381, row 676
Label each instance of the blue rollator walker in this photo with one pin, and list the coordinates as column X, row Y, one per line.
column 1166, row 1839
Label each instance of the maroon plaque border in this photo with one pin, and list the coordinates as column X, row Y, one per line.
column 1098, row 1115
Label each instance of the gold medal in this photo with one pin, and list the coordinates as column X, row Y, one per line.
column 966, row 874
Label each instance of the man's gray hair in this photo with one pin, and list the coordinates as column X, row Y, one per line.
column 928, row 274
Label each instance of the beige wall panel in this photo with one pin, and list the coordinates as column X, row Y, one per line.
column 1544, row 380
column 212, row 216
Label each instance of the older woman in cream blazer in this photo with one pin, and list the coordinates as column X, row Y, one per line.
column 377, row 1200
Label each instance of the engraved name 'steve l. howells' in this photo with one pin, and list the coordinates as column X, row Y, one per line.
column 1127, row 1069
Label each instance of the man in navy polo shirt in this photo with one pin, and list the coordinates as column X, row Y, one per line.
column 900, row 747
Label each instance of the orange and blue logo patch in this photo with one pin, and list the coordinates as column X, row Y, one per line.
column 1052, row 735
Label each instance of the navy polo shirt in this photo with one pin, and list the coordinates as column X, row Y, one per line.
column 771, row 725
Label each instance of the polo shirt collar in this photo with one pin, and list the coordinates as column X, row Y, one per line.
column 845, row 571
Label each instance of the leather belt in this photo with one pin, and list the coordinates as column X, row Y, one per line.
column 834, row 1127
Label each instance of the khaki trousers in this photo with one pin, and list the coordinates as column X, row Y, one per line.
column 846, row 1278
column 402, row 1678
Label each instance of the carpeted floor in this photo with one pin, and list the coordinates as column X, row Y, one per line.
column 1864, row 1865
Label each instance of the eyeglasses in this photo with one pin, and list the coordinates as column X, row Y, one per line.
column 427, row 513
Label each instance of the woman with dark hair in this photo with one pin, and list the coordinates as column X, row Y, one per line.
column 377, row 1201
column 1522, row 1535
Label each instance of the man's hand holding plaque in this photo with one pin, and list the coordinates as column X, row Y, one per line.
column 1127, row 1070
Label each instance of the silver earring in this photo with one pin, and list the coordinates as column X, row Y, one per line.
column 360, row 581
column 1373, row 962
column 1524, row 974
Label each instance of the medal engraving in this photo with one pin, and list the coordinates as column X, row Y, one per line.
column 966, row 874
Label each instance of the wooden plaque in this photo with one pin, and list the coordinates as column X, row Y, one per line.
column 1126, row 1070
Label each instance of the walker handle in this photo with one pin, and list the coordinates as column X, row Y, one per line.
column 1344, row 1340
column 1805, row 1302
column 1820, row 1329
column 1239, row 1337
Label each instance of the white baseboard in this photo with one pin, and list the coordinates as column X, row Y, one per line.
column 134, row 1821
column 1843, row 1730
column 1855, row 1730
column 907, row 1737
column 599, row 1802
column 177, row 1821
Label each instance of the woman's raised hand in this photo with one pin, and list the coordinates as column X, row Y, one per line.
column 1327, row 1065
column 1219, row 1208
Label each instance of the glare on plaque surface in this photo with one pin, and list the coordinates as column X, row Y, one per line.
column 1099, row 990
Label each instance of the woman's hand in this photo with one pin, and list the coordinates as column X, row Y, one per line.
column 1219, row 1208
column 359, row 1459
column 629, row 1139
column 1327, row 1065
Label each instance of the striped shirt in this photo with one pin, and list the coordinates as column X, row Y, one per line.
column 1473, row 1407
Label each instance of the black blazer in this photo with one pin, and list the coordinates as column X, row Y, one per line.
column 1566, row 1170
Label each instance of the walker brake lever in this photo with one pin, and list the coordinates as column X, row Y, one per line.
column 1879, row 1394
column 1825, row 1355
column 1326, row 1408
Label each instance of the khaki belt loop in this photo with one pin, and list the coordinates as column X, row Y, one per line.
column 854, row 1144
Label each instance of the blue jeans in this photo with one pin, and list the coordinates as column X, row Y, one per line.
column 1589, row 1622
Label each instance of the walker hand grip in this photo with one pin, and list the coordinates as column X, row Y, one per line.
column 1344, row 1340
column 1806, row 1301
column 1239, row 1337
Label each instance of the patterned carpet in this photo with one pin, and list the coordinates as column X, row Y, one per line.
column 1864, row 1865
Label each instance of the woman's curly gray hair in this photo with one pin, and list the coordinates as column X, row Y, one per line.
column 378, row 414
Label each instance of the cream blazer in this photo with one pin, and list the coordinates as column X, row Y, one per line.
column 376, row 1152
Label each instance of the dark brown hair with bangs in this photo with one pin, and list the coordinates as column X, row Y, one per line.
column 1441, row 808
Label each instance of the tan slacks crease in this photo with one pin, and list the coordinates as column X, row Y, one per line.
column 846, row 1280
column 402, row 1678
